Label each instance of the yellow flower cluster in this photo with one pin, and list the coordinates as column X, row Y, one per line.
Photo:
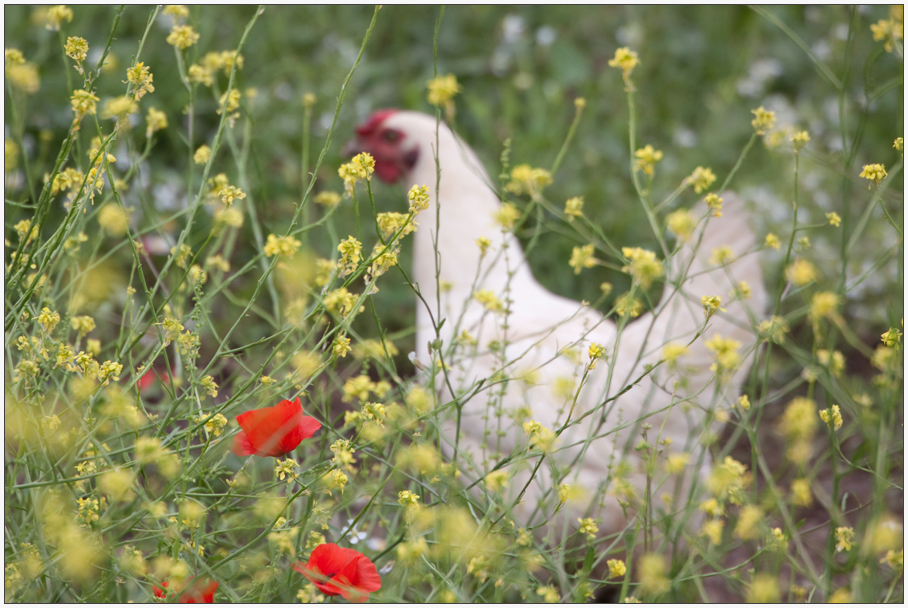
column 141, row 78
column 681, row 223
column 701, row 178
column 351, row 251
column 507, row 216
column 527, row 179
column 798, row 425
column 327, row 198
column 647, row 158
column 643, row 267
column 874, row 173
column 582, row 257
column 889, row 31
column 361, row 167
column 714, row 203
column 801, row 272
column 182, row 37
column 573, row 207
column 832, row 416
column 442, row 89
column 540, row 437
column 625, row 60
column 763, row 121
column 76, row 48
column 285, row 246
column 487, row 298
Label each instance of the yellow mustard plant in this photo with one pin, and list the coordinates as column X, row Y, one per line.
column 527, row 179
column 202, row 155
column 801, row 272
column 182, row 37
column 616, row 568
column 76, row 48
column 646, row 159
column 832, row 416
column 702, row 178
column 573, row 208
column 763, row 121
column 582, row 257
column 844, row 537
column 681, row 223
column 875, row 173
column 714, row 203
column 507, row 216
column 643, row 266
column 712, row 529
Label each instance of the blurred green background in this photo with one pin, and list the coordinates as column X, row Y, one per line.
column 702, row 69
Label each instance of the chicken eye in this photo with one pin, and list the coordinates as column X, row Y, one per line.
column 390, row 136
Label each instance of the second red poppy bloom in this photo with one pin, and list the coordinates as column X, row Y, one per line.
column 338, row 571
column 273, row 431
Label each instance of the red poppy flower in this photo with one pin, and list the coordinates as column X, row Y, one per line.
column 273, row 431
column 148, row 379
column 338, row 571
column 198, row 592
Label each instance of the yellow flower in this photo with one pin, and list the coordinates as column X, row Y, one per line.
column 874, row 173
column 596, row 352
column 24, row 77
column 418, row 197
column 832, row 417
column 823, row 304
column 540, row 437
column 894, row 559
column 712, row 530
column 676, row 462
column 113, row 219
column 712, row 507
column 229, row 102
column 566, row 492
column 764, row 589
column 844, row 536
column 48, row 319
column 647, row 158
column 119, row 107
column 341, row 346
column 201, row 75
column 616, row 568
column 182, row 36
column 772, row 241
column 573, row 207
column 891, row 337
column 156, row 121
column 898, row 144
column 800, row 493
column 442, row 90
column 141, row 78
column 627, row 305
column 748, row 521
column 643, row 267
column 525, row 178
column 727, row 480
column 682, row 223
column 721, row 256
column 774, row 329
column 888, row 30
column 625, row 59
column 798, row 140
column 651, row 573
column 286, row 246
column 763, row 121
column 673, row 350
column 76, row 48
column 55, row 15
column 714, row 203
column 327, row 198
column 711, row 304
column 507, row 216
column 588, row 526
column 582, row 257
column 701, row 178
column 351, row 254
column 549, row 594
column 202, row 155
column 834, row 219
column 801, row 272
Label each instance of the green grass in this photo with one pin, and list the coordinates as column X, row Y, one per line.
column 76, row 532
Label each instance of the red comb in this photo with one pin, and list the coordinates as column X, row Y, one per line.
column 378, row 117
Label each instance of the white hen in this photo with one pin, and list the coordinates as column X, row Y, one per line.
column 546, row 338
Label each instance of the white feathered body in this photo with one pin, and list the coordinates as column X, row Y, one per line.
column 530, row 380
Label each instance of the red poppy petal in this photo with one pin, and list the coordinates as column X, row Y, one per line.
column 242, row 446
column 304, row 429
column 366, row 576
column 265, row 429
